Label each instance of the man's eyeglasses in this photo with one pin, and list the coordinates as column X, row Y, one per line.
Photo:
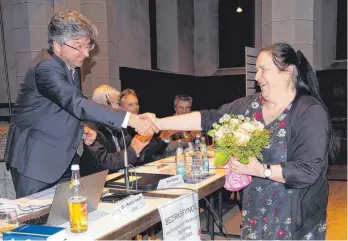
column 89, row 47
column 109, row 102
column 182, row 108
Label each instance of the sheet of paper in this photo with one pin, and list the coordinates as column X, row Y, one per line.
column 131, row 179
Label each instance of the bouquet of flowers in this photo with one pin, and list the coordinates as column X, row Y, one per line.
column 238, row 136
column 242, row 138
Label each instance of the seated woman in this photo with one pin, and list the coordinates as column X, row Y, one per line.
column 104, row 151
column 287, row 198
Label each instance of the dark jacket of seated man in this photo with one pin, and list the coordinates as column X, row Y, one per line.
column 103, row 154
column 152, row 152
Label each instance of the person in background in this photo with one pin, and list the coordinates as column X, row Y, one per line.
column 105, row 151
column 45, row 133
column 182, row 105
column 288, row 195
column 156, row 148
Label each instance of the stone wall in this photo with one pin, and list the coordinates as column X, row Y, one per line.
column 187, row 35
column 307, row 25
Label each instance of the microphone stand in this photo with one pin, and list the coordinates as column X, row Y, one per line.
column 5, row 60
column 126, row 171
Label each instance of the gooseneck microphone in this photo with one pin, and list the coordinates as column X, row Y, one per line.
column 126, row 171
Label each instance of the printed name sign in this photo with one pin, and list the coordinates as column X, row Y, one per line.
column 129, row 205
column 180, row 218
column 170, row 182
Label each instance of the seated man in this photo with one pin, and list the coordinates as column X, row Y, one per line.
column 105, row 152
column 182, row 105
column 154, row 151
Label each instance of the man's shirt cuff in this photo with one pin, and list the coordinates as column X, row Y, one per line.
column 125, row 121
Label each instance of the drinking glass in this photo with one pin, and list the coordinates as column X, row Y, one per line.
column 8, row 219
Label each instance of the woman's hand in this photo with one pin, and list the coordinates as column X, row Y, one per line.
column 254, row 168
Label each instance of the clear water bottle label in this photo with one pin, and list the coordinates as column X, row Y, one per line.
column 181, row 169
column 205, row 165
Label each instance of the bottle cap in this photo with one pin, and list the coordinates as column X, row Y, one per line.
column 75, row 167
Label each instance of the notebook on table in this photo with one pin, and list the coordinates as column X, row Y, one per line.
column 92, row 184
column 140, row 181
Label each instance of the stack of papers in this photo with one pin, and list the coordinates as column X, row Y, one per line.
column 30, row 204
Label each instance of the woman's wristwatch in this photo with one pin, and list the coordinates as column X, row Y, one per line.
column 267, row 171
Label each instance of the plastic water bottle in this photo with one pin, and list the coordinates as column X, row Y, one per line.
column 205, row 157
column 197, row 160
column 180, row 161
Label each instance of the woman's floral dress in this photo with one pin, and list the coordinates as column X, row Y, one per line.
column 266, row 205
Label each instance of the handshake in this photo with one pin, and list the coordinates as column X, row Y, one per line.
column 144, row 124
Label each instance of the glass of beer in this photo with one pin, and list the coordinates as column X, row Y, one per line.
column 8, row 219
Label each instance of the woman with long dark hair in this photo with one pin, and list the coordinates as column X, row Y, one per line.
column 288, row 195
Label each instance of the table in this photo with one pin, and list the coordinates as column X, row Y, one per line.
column 121, row 228
column 102, row 224
column 210, row 187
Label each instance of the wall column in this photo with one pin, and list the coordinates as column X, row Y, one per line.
column 309, row 26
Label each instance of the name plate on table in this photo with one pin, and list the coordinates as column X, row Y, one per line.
column 170, row 182
column 180, row 218
column 129, row 205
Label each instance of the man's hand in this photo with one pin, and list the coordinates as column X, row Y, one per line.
column 165, row 135
column 151, row 117
column 139, row 142
column 89, row 135
column 144, row 126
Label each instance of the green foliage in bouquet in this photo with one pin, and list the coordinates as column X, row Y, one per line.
column 239, row 137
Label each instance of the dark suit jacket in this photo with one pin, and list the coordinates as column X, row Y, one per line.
column 47, row 122
column 102, row 154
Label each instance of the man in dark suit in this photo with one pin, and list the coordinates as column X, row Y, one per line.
column 46, row 127
column 105, row 151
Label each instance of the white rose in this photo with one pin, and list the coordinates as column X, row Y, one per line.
column 242, row 138
column 234, row 121
column 219, row 134
column 216, row 126
column 226, row 117
column 231, row 129
column 247, row 126
column 241, row 117
column 259, row 125
column 221, row 120
column 224, row 129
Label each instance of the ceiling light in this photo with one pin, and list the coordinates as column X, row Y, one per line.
column 239, row 10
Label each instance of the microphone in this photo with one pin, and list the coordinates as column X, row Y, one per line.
column 126, row 171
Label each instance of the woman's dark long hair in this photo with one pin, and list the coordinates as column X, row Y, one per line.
column 306, row 82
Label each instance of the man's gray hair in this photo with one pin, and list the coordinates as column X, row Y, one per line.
column 99, row 94
column 127, row 92
column 182, row 97
column 69, row 25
